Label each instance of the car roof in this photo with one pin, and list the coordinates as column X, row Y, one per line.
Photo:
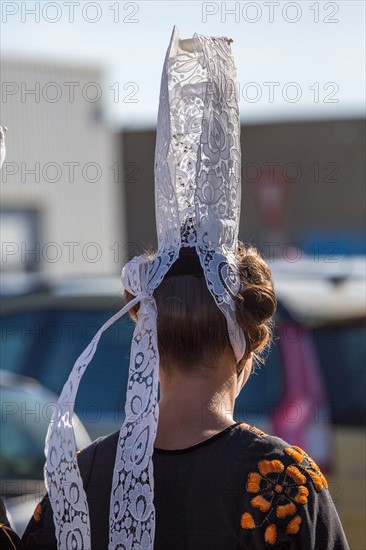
column 313, row 291
column 322, row 291
column 23, row 388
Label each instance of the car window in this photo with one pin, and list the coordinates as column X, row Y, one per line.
column 45, row 345
column 19, row 334
column 103, row 386
column 342, row 353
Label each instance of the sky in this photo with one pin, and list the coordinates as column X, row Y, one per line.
column 294, row 60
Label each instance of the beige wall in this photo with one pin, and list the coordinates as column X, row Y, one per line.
column 81, row 204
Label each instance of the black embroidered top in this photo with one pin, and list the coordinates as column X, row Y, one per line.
column 239, row 489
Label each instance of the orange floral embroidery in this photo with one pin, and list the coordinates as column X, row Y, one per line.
column 312, row 469
column 294, row 526
column 247, row 521
column 278, row 488
column 296, row 475
column 286, row 510
column 254, row 481
column 37, row 512
column 270, row 534
column 261, row 503
column 270, row 466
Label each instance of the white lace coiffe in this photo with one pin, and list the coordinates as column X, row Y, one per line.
column 197, row 201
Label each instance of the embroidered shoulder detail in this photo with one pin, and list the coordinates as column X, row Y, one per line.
column 37, row 514
column 278, row 490
column 307, row 463
column 253, row 429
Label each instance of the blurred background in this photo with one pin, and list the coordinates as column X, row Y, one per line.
column 79, row 94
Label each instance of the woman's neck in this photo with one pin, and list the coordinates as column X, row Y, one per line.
column 193, row 408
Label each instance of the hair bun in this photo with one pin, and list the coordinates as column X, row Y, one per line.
column 256, row 301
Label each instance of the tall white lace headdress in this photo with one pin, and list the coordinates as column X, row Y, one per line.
column 197, row 201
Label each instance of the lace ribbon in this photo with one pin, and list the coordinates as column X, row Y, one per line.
column 197, row 199
column 62, row 475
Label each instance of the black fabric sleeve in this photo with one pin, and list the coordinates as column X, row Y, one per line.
column 277, row 498
column 40, row 532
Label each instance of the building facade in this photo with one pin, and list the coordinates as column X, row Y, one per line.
column 303, row 188
column 62, row 205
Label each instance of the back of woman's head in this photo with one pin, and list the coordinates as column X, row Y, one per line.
column 192, row 330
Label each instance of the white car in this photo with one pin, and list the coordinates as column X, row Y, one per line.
column 26, row 409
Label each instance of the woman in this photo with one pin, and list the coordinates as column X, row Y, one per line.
column 218, row 483
column 182, row 473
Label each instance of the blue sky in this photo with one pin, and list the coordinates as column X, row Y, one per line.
column 312, row 51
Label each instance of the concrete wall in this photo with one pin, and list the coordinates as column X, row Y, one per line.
column 302, row 183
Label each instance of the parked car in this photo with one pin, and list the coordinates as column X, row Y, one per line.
column 329, row 297
column 308, row 392
column 45, row 332
column 26, row 409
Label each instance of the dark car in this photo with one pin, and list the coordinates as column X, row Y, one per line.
column 45, row 331
column 309, row 392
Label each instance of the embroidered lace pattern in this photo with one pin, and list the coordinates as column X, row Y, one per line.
column 197, row 200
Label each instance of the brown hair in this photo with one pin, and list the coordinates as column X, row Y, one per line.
column 192, row 330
